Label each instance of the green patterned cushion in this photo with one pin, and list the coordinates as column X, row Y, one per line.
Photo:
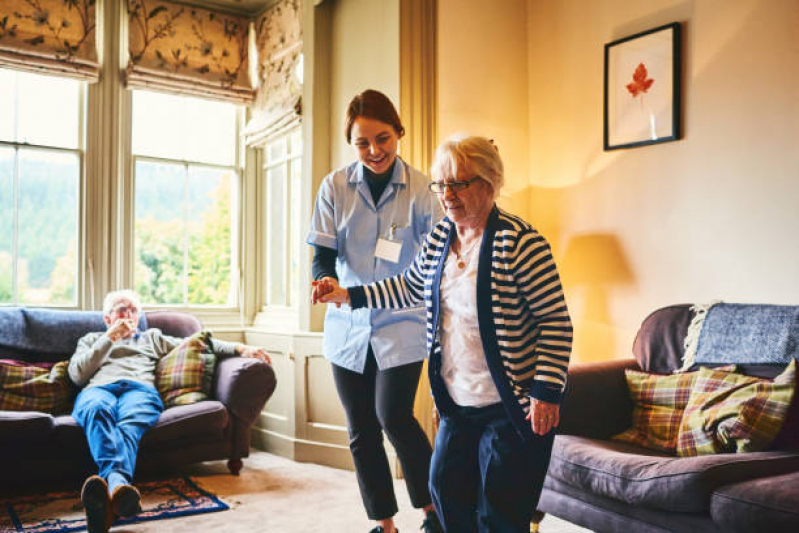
column 185, row 375
column 30, row 387
column 658, row 404
column 729, row 412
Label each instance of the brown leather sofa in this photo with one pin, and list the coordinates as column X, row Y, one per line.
column 37, row 448
column 610, row 486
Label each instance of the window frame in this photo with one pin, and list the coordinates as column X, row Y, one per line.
column 288, row 308
column 80, row 234
column 226, row 316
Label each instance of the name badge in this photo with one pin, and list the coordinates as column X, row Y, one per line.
column 388, row 250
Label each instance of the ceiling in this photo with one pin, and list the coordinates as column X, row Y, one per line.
column 247, row 7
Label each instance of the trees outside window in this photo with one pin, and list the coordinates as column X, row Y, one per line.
column 41, row 149
column 186, row 183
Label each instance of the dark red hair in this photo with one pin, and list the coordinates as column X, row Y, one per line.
column 375, row 105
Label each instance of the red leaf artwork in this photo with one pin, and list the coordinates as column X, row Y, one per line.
column 640, row 84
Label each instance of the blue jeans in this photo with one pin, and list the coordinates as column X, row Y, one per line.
column 483, row 477
column 114, row 418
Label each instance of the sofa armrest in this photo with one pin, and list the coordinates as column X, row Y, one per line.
column 244, row 385
column 597, row 404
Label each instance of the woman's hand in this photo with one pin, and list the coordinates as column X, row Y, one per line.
column 544, row 416
column 327, row 290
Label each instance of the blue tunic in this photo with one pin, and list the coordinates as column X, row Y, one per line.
column 346, row 219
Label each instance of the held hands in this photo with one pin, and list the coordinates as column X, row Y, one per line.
column 121, row 329
column 255, row 352
column 327, row 290
column 544, row 416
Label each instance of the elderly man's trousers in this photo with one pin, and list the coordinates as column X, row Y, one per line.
column 114, row 418
column 483, row 476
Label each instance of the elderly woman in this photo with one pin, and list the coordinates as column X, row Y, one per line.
column 499, row 340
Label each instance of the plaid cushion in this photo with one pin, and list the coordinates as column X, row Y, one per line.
column 729, row 412
column 185, row 375
column 658, row 404
column 35, row 387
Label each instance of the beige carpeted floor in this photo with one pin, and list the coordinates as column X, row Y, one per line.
column 276, row 495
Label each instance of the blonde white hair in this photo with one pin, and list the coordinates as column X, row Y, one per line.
column 476, row 154
column 125, row 294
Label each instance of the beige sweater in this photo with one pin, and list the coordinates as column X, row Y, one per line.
column 100, row 361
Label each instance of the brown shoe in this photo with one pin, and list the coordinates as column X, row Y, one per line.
column 126, row 501
column 97, row 505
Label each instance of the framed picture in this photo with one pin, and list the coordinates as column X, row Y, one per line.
column 642, row 88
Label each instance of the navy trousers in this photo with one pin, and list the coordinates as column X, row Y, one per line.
column 114, row 418
column 483, row 477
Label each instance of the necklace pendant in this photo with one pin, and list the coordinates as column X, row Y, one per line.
column 461, row 264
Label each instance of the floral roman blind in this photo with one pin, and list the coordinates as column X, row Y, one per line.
column 188, row 50
column 50, row 36
column 277, row 105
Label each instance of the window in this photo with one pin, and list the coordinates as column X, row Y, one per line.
column 41, row 149
column 186, row 182
column 282, row 175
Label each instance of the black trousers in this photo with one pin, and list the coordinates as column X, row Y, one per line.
column 377, row 401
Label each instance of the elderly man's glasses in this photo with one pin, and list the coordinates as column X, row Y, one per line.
column 440, row 187
column 124, row 308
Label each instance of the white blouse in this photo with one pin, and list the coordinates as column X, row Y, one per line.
column 463, row 363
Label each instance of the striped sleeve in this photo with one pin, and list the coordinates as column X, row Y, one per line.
column 538, row 282
column 403, row 290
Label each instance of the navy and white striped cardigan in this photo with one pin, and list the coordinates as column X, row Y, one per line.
column 524, row 323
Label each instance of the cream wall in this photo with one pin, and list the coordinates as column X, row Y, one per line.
column 482, row 83
column 713, row 215
column 364, row 55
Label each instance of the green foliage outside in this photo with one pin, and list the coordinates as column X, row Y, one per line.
column 159, row 270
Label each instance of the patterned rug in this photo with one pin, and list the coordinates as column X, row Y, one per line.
column 63, row 511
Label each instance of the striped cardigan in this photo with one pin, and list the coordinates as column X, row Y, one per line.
column 524, row 323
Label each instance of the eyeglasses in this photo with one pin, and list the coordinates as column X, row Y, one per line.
column 120, row 309
column 440, row 187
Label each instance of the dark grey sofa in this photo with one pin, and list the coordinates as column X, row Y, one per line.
column 37, row 448
column 610, row 486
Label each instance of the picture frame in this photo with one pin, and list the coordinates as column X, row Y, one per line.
column 642, row 88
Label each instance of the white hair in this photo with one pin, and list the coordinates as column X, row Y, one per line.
column 476, row 154
column 113, row 297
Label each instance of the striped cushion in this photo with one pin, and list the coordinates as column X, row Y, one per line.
column 35, row 387
column 185, row 374
column 658, row 404
column 729, row 412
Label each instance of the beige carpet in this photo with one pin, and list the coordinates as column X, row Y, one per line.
column 276, row 495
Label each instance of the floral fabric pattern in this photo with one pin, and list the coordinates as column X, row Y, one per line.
column 188, row 50
column 56, row 36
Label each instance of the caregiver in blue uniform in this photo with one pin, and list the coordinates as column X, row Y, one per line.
column 369, row 221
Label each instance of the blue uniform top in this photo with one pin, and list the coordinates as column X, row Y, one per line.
column 347, row 220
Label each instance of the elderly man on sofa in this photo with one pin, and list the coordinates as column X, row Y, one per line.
column 119, row 402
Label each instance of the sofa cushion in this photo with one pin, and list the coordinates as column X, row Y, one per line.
column 658, row 404
column 729, row 412
column 24, row 426
column 768, row 504
column 639, row 476
column 198, row 421
column 185, row 375
column 41, row 387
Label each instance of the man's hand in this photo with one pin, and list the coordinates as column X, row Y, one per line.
column 327, row 290
column 121, row 329
column 256, row 352
column 543, row 416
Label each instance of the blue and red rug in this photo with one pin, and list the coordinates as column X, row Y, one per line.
column 59, row 512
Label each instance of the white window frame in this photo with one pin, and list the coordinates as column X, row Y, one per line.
column 286, row 313
column 80, row 151
column 226, row 316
